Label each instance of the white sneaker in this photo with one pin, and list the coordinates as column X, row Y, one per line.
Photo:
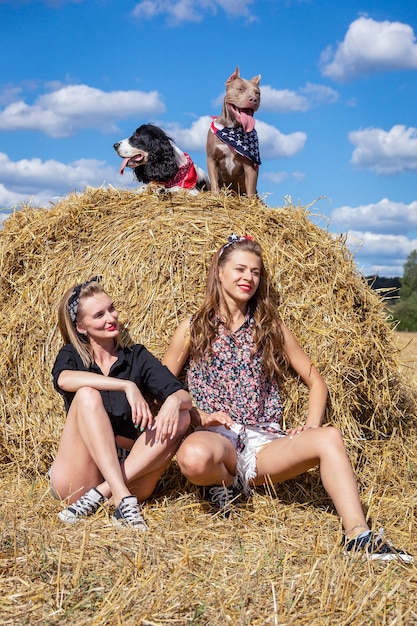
column 376, row 548
column 128, row 514
column 88, row 504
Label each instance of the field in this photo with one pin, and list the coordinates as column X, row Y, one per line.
column 276, row 561
column 407, row 342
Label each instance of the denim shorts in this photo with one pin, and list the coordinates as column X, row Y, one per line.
column 255, row 440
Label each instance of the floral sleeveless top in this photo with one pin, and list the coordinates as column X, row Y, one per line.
column 229, row 380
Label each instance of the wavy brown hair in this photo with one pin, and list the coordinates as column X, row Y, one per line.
column 267, row 332
column 68, row 328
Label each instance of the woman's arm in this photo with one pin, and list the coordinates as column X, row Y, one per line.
column 301, row 363
column 73, row 380
column 175, row 358
column 166, row 422
column 179, row 349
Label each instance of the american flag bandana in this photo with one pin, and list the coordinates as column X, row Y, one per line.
column 245, row 144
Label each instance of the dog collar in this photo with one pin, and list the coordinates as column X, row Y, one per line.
column 245, row 144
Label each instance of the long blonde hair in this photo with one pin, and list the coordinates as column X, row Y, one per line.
column 267, row 332
column 68, row 328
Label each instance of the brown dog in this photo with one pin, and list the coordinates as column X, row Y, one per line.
column 232, row 141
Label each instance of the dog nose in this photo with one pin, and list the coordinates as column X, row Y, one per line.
column 116, row 145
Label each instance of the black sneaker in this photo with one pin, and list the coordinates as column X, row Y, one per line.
column 88, row 504
column 221, row 498
column 376, row 548
column 128, row 514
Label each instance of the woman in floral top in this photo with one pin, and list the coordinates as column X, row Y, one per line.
column 237, row 348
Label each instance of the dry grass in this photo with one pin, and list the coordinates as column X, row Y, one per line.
column 277, row 560
column 407, row 342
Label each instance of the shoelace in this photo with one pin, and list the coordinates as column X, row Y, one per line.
column 84, row 505
column 131, row 514
column 222, row 496
column 374, row 541
column 383, row 546
column 377, row 546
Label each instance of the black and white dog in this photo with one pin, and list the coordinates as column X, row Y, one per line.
column 159, row 163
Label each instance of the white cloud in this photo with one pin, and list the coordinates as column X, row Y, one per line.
column 370, row 46
column 387, row 246
column 287, row 101
column 274, row 144
column 377, row 234
column 180, row 11
column 62, row 112
column 380, row 254
column 9, row 198
column 193, row 138
column 235, row 7
column 385, row 152
column 395, row 269
column 319, row 94
column 39, row 182
column 282, row 100
column 278, row 178
column 384, row 216
column 9, row 93
column 4, row 216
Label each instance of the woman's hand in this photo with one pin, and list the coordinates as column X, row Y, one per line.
column 291, row 432
column 166, row 422
column 218, row 418
column 141, row 414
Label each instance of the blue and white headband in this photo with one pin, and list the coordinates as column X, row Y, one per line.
column 74, row 299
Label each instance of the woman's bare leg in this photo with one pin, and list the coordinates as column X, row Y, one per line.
column 148, row 460
column 289, row 457
column 207, row 458
column 87, row 450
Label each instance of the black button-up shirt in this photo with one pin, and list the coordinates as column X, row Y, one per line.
column 136, row 364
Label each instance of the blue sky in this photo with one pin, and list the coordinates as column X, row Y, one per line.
column 337, row 121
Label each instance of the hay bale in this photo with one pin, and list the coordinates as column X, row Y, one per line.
column 153, row 254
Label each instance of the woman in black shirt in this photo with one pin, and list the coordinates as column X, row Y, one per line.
column 102, row 382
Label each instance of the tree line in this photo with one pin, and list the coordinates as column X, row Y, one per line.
column 400, row 294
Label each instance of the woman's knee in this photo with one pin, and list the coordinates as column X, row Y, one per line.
column 194, row 458
column 332, row 439
column 88, row 398
column 333, row 434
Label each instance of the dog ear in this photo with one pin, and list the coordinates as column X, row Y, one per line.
column 161, row 165
column 256, row 79
column 236, row 74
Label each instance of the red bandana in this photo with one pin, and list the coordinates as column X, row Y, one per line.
column 185, row 177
